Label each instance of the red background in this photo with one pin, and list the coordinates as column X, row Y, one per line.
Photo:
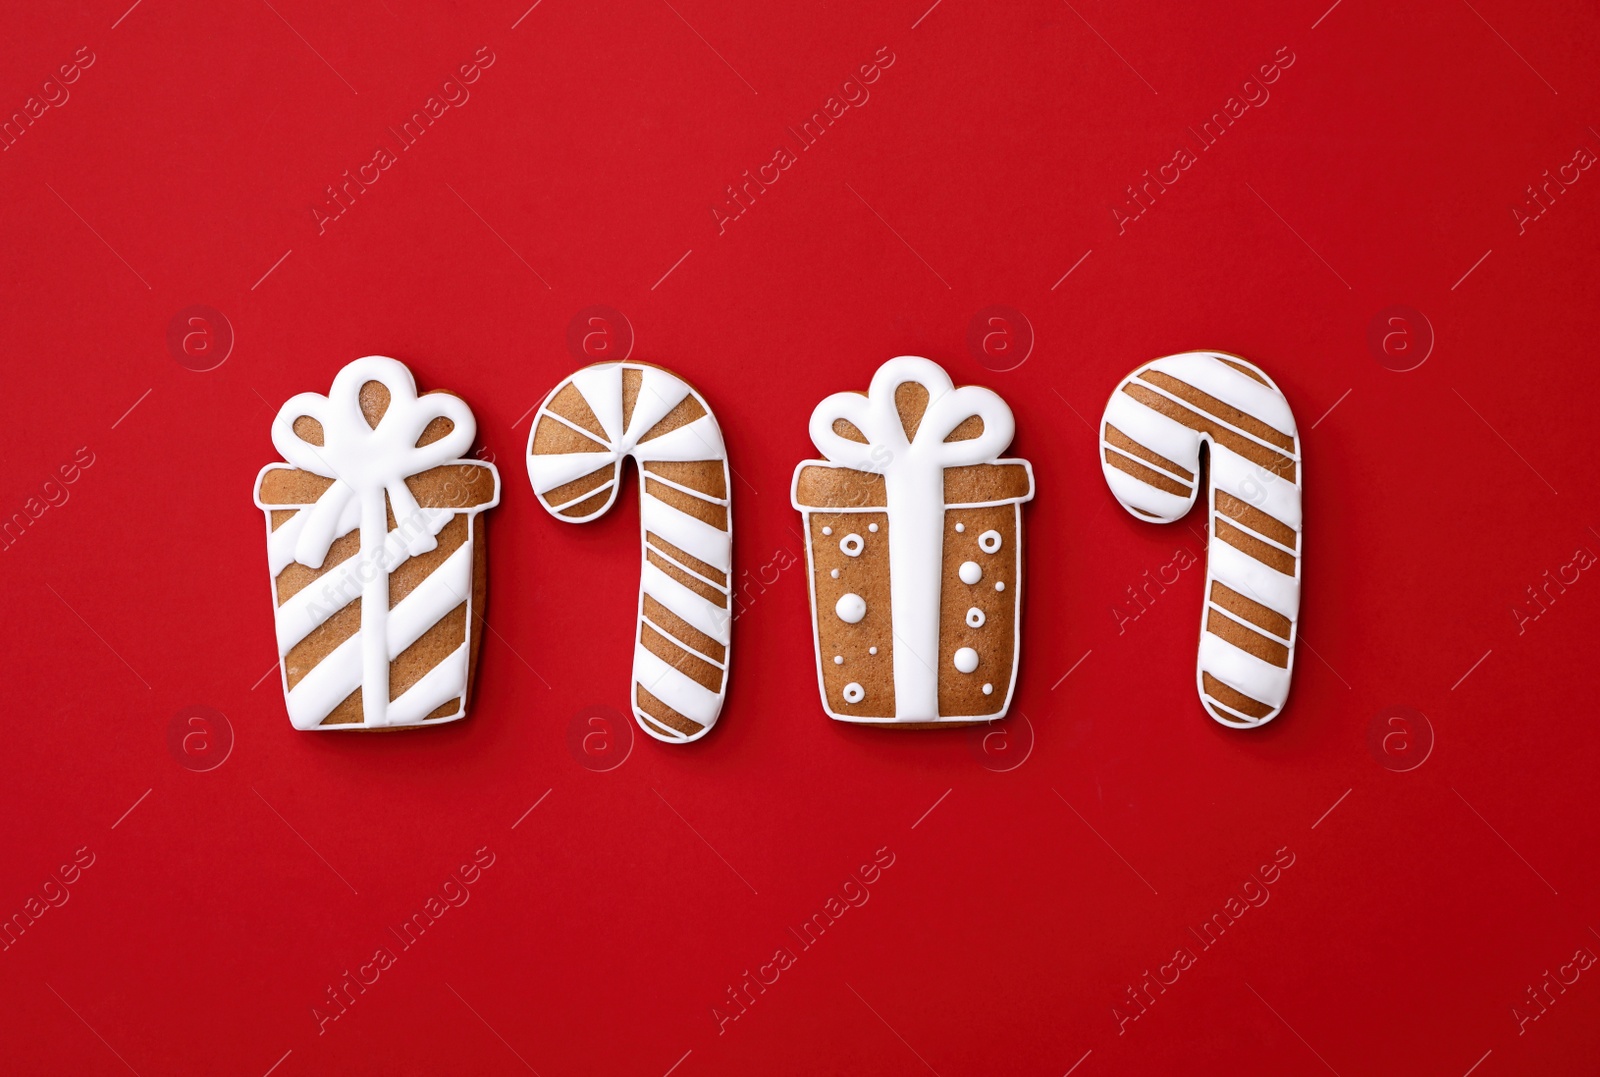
column 222, row 904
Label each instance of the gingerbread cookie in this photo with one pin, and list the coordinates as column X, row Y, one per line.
column 583, row 430
column 375, row 543
column 1150, row 442
column 914, row 549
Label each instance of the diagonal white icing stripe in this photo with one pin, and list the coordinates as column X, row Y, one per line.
column 690, row 490
column 446, row 588
column 310, row 606
column 1251, row 625
column 281, row 542
column 1160, row 469
column 1239, row 716
column 659, row 393
column 1141, row 495
column 1243, row 671
column 675, row 563
column 683, row 694
column 1268, row 491
column 673, row 636
column 586, row 495
column 712, row 620
column 1215, row 378
column 1253, row 579
column 601, row 389
column 1258, row 536
column 688, row 533
column 550, row 470
column 582, row 431
column 326, row 685
column 699, row 440
column 442, row 683
column 1152, row 429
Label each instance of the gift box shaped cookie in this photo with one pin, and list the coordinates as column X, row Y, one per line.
column 375, row 543
column 914, row 549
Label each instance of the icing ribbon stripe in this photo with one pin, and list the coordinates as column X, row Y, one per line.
column 1151, row 436
column 583, row 431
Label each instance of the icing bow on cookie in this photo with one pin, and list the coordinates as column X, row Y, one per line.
column 887, row 449
column 367, row 461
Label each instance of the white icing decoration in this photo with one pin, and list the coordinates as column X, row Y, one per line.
column 834, row 573
column 1244, row 387
column 1000, row 585
column 827, row 530
column 988, row 689
column 660, row 391
column 852, row 545
column 966, row 660
column 873, row 528
column 970, row 572
column 872, row 650
column 838, row 659
column 369, row 466
column 912, row 471
column 960, row 528
column 851, row 608
column 975, row 618
column 989, row 542
column 854, row 693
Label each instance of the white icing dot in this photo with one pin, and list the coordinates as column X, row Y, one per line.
column 1000, row 585
column 851, row 608
column 988, row 689
column 989, row 542
column 975, row 618
column 872, row 527
column 838, row 659
column 872, row 650
column 834, row 573
column 960, row 528
column 854, row 693
column 966, row 660
column 827, row 530
column 970, row 572
column 852, row 545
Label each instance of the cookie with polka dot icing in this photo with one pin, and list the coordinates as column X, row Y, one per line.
column 914, row 549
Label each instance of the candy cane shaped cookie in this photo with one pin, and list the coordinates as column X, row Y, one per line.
column 583, row 430
column 1150, row 443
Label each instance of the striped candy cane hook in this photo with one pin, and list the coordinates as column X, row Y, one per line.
column 1150, row 440
column 584, row 429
